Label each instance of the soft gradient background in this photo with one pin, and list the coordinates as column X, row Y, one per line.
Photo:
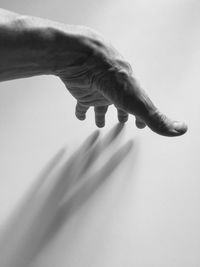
column 147, row 212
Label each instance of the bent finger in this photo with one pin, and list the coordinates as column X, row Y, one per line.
column 80, row 111
column 122, row 115
column 100, row 115
column 139, row 123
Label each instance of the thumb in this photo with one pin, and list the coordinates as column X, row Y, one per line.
column 127, row 95
column 139, row 104
column 162, row 125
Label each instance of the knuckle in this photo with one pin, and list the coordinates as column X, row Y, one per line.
column 124, row 66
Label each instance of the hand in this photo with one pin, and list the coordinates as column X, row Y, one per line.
column 98, row 76
column 92, row 70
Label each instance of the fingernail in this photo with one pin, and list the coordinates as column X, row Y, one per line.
column 80, row 116
column 180, row 127
column 100, row 124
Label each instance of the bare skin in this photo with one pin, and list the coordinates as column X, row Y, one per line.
column 90, row 67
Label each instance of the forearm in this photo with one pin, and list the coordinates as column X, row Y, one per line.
column 24, row 49
column 32, row 46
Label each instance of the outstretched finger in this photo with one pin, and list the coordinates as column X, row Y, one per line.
column 122, row 115
column 81, row 111
column 100, row 115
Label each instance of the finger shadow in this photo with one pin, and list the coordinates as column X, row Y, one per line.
column 23, row 231
column 85, row 190
column 88, row 181
column 101, row 146
column 51, row 202
column 16, row 222
column 23, row 208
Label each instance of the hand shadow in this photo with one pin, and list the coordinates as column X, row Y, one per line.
column 51, row 202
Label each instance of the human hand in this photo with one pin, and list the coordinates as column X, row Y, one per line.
column 92, row 70
column 98, row 76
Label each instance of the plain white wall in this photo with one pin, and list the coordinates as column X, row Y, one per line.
column 147, row 212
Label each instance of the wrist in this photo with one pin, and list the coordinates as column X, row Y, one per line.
column 56, row 47
column 71, row 49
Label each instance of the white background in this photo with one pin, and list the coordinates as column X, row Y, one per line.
column 147, row 212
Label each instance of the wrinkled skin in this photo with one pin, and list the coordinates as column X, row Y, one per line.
column 98, row 76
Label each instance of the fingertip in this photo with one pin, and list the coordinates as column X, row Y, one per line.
column 180, row 127
column 80, row 117
column 80, row 111
column 139, row 123
column 161, row 124
column 100, row 124
column 100, row 112
column 123, row 120
column 122, row 116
